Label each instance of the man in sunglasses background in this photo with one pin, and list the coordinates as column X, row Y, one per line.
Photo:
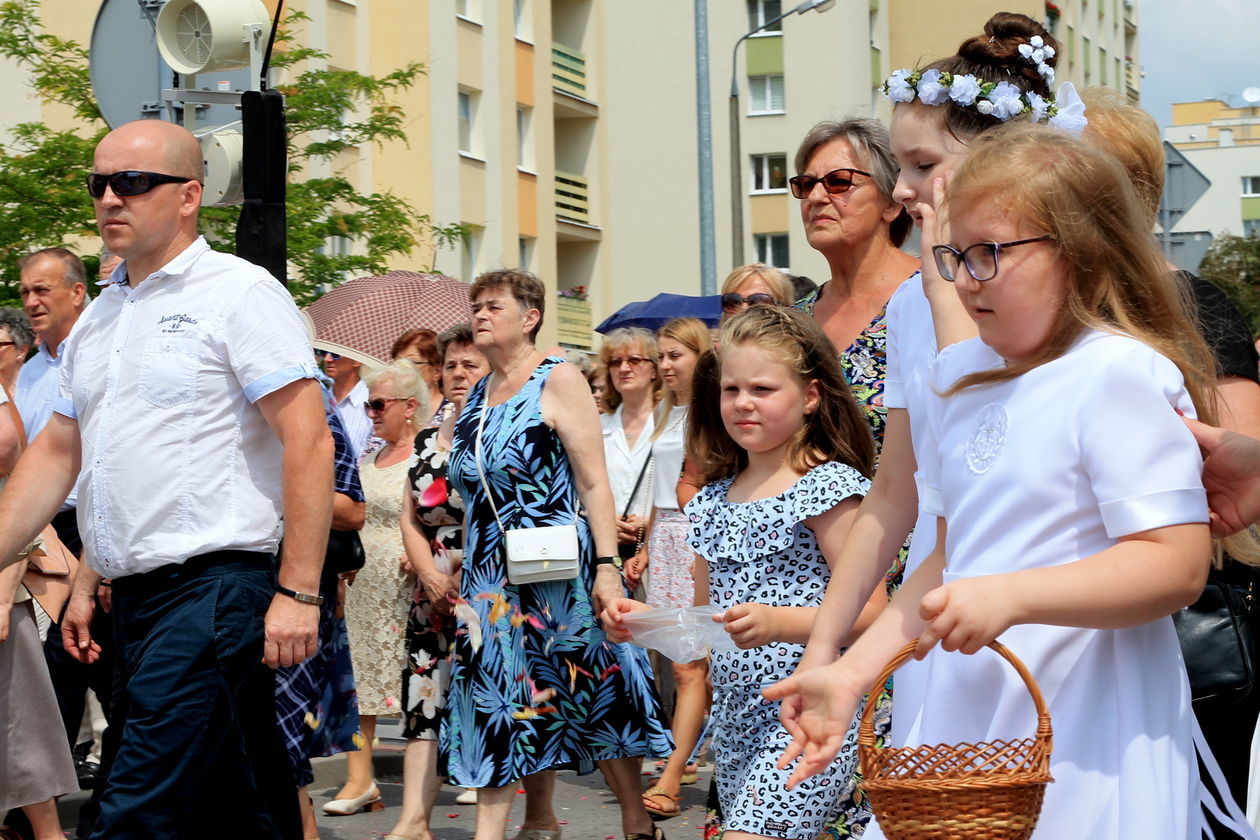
column 188, row 396
column 351, row 395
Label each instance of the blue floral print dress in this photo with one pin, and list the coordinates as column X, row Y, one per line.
column 535, row 685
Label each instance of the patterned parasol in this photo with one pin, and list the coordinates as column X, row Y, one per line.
column 362, row 318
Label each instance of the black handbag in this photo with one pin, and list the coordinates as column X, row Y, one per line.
column 1217, row 641
column 344, row 553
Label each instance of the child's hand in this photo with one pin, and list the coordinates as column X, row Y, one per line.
column 611, row 618
column 750, row 625
column 825, row 701
column 965, row 615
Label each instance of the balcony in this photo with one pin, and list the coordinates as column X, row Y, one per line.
column 568, row 70
column 573, row 199
column 573, row 322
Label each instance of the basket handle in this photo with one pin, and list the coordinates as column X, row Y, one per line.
column 866, row 728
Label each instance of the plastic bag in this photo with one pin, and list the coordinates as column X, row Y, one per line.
column 683, row 635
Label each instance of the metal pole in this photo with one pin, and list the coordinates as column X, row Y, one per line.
column 737, row 186
column 704, row 149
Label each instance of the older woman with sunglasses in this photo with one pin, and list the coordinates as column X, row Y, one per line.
column 379, row 595
column 753, row 284
column 845, row 185
column 634, row 385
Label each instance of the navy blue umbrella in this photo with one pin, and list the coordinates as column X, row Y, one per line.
column 665, row 307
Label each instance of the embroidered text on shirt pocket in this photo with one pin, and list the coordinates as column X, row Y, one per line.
column 168, row 371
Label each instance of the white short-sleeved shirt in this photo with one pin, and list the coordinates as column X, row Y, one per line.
column 354, row 417
column 625, row 462
column 176, row 459
column 1043, row 470
column 911, row 349
column 667, row 449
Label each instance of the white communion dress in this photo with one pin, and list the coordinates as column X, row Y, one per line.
column 1041, row 470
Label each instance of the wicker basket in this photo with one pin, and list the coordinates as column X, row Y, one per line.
column 986, row 791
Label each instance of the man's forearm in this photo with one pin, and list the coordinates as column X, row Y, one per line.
column 308, row 502
column 34, row 493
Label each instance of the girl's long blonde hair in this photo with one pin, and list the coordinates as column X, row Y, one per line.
column 1080, row 197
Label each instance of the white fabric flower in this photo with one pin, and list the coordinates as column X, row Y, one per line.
column 1039, row 106
column 1007, row 101
column 899, row 89
column 1037, row 41
column 1071, row 111
column 931, row 91
column 964, row 90
column 1025, row 50
column 985, row 107
column 1049, row 51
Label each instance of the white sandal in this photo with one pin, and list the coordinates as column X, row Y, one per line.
column 369, row 801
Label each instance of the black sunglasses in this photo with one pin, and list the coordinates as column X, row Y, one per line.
column 734, row 300
column 834, row 182
column 130, row 182
column 324, row 354
column 980, row 260
column 377, row 405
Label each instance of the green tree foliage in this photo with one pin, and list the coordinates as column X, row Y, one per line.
column 43, row 201
column 1233, row 263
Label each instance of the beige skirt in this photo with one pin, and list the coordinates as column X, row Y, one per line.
column 35, row 761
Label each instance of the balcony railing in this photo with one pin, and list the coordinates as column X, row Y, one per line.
column 568, row 70
column 573, row 322
column 573, row 199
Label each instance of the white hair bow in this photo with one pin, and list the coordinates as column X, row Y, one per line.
column 1069, row 111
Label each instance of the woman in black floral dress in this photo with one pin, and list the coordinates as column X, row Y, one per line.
column 433, row 535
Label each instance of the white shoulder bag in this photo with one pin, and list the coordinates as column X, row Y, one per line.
column 534, row 555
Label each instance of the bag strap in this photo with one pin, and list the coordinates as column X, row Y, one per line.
column 637, row 482
column 481, row 472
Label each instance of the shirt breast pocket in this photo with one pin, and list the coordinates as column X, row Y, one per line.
column 168, row 371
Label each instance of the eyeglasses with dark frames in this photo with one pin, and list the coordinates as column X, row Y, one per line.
column 130, row 182
column 980, row 260
column 734, row 300
column 377, row 405
column 835, row 182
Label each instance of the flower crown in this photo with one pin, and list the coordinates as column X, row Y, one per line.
column 1001, row 100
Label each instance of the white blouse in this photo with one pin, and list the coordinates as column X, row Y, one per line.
column 624, row 462
column 668, row 451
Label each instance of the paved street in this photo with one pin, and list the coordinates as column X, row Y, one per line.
column 587, row 810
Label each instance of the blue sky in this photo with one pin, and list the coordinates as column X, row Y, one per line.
column 1197, row 49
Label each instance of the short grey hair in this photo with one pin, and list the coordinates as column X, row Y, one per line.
column 403, row 378
column 872, row 146
column 75, row 271
column 19, row 327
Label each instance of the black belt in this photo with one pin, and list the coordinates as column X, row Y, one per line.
column 215, row 561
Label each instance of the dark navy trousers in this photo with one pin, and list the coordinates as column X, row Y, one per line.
column 188, row 638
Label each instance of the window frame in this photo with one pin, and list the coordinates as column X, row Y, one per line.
column 1252, row 189
column 767, row 82
column 763, row 248
column 760, row 165
column 757, row 16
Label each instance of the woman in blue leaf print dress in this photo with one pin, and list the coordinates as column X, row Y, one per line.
column 535, row 686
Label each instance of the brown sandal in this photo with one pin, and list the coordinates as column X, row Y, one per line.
column 657, row 812
column 656, row 834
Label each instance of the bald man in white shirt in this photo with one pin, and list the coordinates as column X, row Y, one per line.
column 188, row 397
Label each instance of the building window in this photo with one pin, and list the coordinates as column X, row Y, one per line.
column 1086, row 46
column 1251, row 185
column 468, row 257
column 467, row 121
column 1102, row 66
column 524, row 139
column 1251, row 228
column 520, row 20
column 765, row 94
column 769, row 173
column 771, row 249
column 760, row 11
column 526, row 251
column 466, row 9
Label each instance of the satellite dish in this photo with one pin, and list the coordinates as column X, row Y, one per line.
column 196, row 36
column 1251, row 95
